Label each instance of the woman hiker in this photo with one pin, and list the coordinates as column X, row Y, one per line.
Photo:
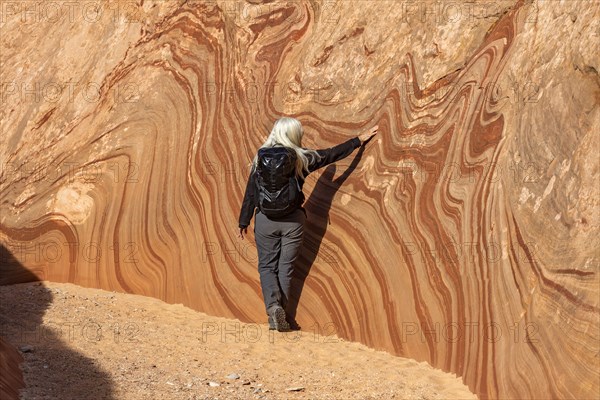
column 278, row 238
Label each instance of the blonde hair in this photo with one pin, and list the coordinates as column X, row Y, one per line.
column 288, row 132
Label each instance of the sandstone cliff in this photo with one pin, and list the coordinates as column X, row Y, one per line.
column 466, row 234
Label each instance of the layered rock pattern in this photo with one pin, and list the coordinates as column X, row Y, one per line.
column 465, row 234
column 11, row 378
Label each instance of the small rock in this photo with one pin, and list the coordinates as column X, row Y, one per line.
column 26, row 349
column 295, row 389
column 233, row 376
column 214, row 384
column 257, row 390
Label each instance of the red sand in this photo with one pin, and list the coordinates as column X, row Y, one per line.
column 93, row 344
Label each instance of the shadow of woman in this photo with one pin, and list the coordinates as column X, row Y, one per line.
column 317, row 208
column 51, row 364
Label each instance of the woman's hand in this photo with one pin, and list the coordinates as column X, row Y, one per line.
column 243, row 231
column 368, row 134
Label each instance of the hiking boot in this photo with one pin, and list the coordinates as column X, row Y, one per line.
column 277, row 315
column 294, row 325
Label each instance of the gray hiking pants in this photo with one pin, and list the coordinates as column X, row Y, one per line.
column 278, row 244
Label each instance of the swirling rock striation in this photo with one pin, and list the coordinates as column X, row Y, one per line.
column 11, row 378
column 465, row 234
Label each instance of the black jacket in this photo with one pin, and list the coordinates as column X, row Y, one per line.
column 328, row 156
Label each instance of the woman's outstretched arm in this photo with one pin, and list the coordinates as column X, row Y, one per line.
column 342, row 150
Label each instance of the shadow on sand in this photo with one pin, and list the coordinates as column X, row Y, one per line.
column 51, row 365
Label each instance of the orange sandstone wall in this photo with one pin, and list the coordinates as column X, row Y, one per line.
column 465, row 234
column 11, row 376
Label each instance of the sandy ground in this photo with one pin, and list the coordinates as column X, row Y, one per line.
column 94, row 344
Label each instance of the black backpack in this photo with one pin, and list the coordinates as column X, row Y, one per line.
column 277, row 189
